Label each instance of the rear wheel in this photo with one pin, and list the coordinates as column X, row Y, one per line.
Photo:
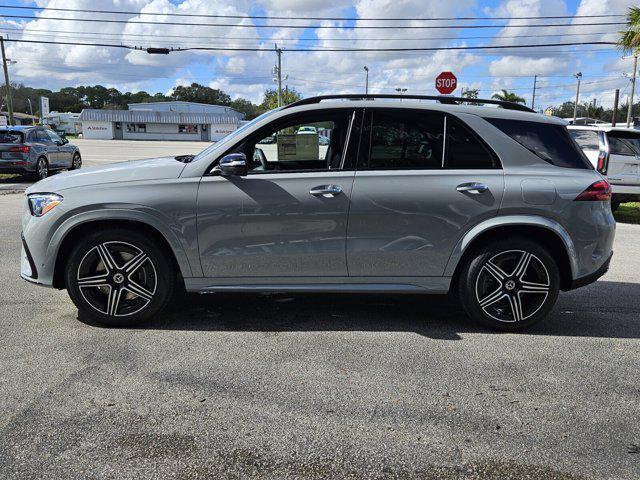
column 42, row 169
column 509, row 285
column 119, row 277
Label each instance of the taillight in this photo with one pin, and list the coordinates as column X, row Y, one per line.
column 596, row 192
column 20, row 149
column 603, row 162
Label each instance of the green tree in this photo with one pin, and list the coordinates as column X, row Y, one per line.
column 507, row 96
column 629, row 41
column 249, row 109
column 200, row 94
column 270, row 101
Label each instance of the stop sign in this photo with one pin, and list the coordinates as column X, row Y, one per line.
column 446, row 83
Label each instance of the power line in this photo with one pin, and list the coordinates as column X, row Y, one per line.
column 315, row 27
column 313, row 49
column 272, row 17
column 386, row 39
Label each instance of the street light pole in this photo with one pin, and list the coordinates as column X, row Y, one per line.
column 533, row 98
column 575, row 106
column 366, row 82
column 6, row 82
column 633, row 86
column 401, row 91
column 279, row 72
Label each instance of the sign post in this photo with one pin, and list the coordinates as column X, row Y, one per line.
column 446, row 83
column 44, row 108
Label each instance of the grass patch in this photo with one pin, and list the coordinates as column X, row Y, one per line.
column 6, row 176
column 628, row 213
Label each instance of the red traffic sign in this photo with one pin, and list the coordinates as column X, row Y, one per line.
column 446, row 83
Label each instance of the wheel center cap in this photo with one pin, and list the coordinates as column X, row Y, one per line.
column 118, row 278
column 510, row 285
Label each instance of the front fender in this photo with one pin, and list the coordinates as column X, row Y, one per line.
column 509, row 220
column 140, row 214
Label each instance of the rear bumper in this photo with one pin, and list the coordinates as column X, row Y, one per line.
column 618, row 189
column 592, row 277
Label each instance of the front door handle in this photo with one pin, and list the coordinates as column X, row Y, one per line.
column 472, row 187
column 326, row 191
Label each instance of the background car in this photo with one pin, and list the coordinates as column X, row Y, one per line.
column 615, row 153
column 36, row 150
column 307, row 129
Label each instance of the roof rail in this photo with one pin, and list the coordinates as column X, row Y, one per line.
column 439, row 98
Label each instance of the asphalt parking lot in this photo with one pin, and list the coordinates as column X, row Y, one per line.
column 319, row 386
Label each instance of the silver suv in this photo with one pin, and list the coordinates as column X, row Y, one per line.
column 615, row 153
column 498, row 205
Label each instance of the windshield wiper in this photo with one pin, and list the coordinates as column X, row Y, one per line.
column 185, row 158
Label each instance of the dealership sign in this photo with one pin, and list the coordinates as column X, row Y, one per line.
column 446, row 83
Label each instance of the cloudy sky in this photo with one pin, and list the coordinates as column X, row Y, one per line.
column 248, row 74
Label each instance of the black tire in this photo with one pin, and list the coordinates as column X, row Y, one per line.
column 517, row 301
column 42, row 169
column 76, row 162
column 128, row 293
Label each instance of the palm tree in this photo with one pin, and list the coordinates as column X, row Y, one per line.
column 629, row 41
column 507, row 96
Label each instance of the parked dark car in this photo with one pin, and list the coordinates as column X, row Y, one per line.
column 36, row 150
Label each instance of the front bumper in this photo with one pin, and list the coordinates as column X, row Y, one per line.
column 28, row 269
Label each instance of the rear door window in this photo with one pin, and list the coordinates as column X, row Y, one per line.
column 551, row 142
column 10, row 137
column 586, row 139
column 624, row 143
column 405, row 140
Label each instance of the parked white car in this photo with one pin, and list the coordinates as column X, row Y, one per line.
column 615, row 153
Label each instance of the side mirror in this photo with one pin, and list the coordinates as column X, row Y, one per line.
column 233, row 165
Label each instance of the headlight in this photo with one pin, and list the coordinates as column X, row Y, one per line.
column 41, row 203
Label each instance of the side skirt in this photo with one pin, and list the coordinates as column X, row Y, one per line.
column 432, row 285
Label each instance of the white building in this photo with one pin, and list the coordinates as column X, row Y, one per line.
column 67, row 122
column 161, row 121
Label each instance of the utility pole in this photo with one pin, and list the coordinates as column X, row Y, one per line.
column 615, row 107
column 633, row 86
column 575, row 107
column 533, row 98
column 6, row 82
column 279, row 73
column 366, row 82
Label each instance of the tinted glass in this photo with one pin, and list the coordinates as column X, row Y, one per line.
column 10, row 137
column 587, row 139
column 53, row 136
column 624, row 143
column 43, row 137
column 406, row 140
column 464, row 149
column 550, row 142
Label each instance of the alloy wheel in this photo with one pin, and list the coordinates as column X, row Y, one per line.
column 512, row 286
column 77, row 162
column 43, row 169
column 117, row 279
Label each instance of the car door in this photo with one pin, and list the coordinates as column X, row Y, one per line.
column 416, row 191
column 49, row 147
column 624, row 157
column 284, row 222
column 63, row 156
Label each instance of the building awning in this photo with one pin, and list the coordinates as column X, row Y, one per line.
column 142, row 116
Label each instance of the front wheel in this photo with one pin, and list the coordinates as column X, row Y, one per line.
column 509, row 285
column 119, row 277
column 76, row 163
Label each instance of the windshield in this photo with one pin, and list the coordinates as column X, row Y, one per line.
column 236, row 133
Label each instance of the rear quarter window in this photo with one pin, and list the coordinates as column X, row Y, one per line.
column 624, row 143
column 552, row 143
column 10, row 137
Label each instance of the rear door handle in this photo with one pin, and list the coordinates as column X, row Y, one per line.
column 326, row 191
column 472, row 187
